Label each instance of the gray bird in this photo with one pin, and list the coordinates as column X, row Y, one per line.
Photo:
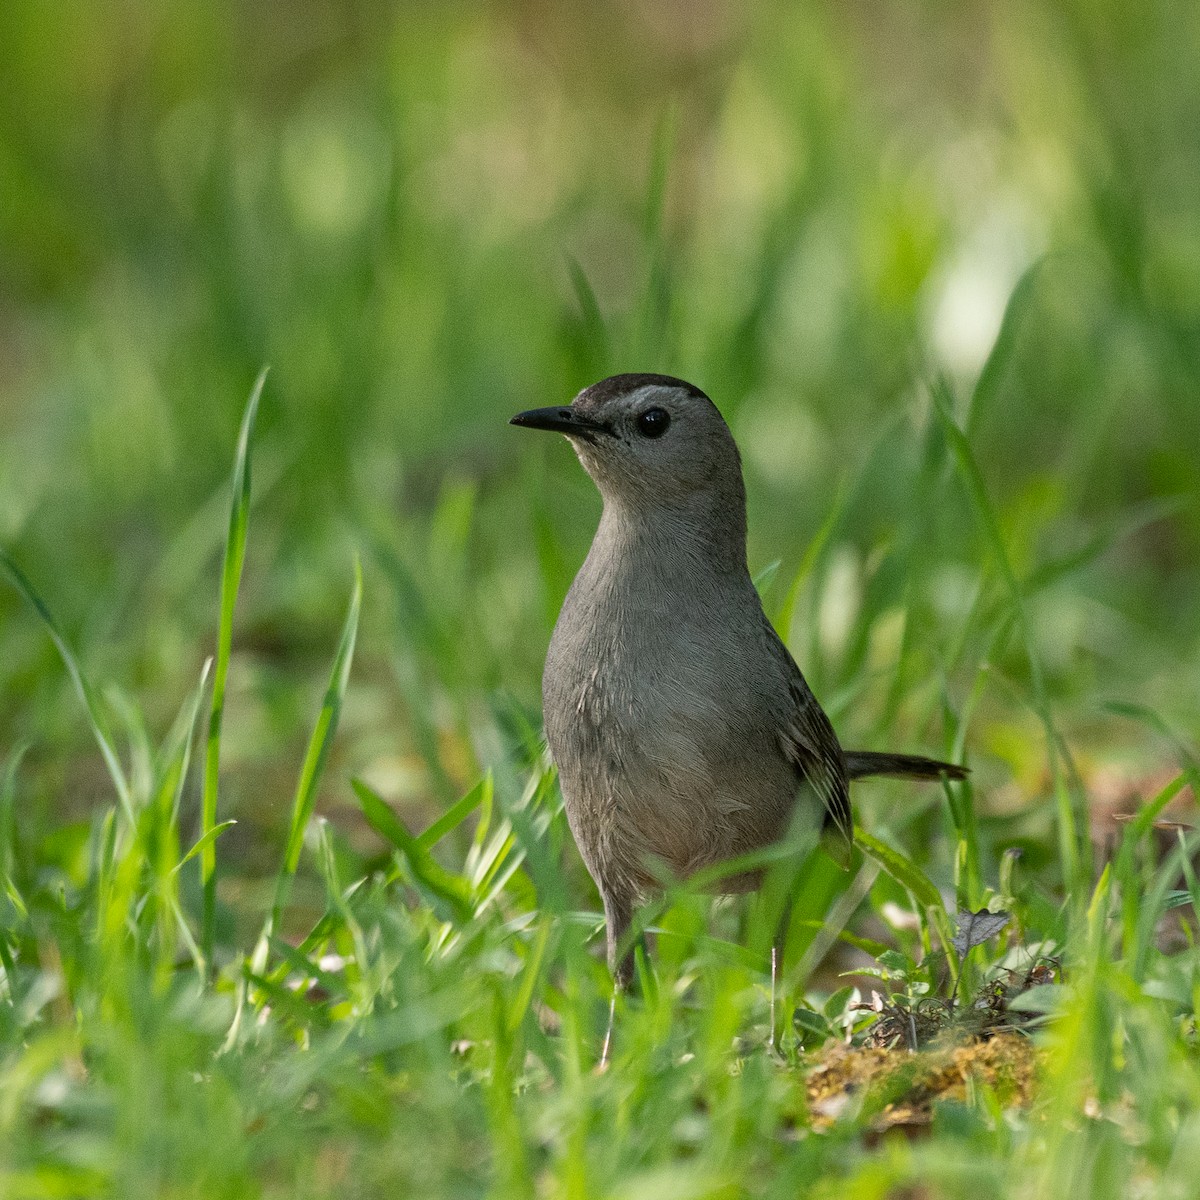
column 683, row 731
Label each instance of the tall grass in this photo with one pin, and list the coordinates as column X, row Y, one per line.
column 292, row 912
column 231, row 578
column 458, row 988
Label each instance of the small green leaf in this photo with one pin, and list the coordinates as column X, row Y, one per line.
column 895, row 963
column 811, row 1027
column 835, row 1007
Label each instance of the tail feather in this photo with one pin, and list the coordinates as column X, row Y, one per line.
column 860, row 763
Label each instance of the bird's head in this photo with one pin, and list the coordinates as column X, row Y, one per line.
column 649, row 440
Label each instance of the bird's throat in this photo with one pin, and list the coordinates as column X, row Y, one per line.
column 670, row 545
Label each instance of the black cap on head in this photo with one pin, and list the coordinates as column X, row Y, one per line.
column 620, row 385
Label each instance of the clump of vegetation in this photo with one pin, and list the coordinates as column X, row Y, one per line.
column 878, row 1091
column 465, row 992
column 288, row 905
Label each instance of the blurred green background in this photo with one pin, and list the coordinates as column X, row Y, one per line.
column 425, row 217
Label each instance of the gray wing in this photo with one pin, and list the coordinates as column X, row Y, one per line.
column 810, row 744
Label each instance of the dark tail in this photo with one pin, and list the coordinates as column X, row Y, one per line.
column 860, row 763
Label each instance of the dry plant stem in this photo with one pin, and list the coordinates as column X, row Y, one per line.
column 772, row 1044
column 778, row 947
column 612, row 1015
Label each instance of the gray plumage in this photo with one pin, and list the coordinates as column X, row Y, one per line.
column 683, row 731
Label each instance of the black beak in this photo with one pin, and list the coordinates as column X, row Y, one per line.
column 560, row 420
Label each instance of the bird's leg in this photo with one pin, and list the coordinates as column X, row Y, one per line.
column 618, row 915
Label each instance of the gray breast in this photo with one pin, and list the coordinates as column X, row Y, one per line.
column 662, row 728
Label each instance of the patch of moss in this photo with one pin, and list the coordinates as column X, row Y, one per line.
column 887, row 1088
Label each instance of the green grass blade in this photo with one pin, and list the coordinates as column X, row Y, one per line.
column 231, row 578
column 764, row 578
column 1138, row 518
column 1182, row 748
column 529, row 978
column 1069, row 823
column 204, row 842
column 1124, row 866
column 866, row 945
column 175, row 756
column 595, row 332
column 82, row 687
column 381, row 818
column 1153, row 902
column 8, row 791
column 1192, row 895
column 449, row 894
column 139, row 753
column 161, row 832
column 8, row 831
column 454, row 816
column 786, row 615
column 1145, row 817
column 902, row 869
column 1016, row 313
column 306, row 969
column 318, row 747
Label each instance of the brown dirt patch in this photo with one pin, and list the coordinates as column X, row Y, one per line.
column 895, row 1088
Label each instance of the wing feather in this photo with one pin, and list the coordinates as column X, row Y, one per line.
column 811, row 745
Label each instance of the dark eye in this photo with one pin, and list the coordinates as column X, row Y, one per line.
column 653, row 422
